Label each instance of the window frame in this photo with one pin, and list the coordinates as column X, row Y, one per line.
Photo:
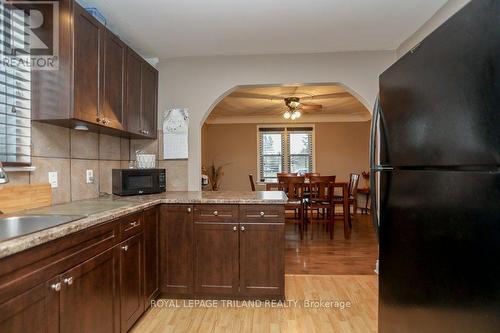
column 285, row 144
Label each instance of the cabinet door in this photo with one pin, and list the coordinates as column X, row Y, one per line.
column 262, row 268
column 216, row 258
column 131, row 281
column 114, row 81
column 89, row 295
column 133, row 93
column 151, row 271
column 36, row 310
column 149, row 91
column 176, row 249
column 88, row 60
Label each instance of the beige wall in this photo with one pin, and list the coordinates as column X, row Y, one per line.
column 197, row 83
column 340, row 148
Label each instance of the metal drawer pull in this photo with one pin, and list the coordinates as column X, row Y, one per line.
column 216, row 213
column 125, row 247
column 134, row 224
column 242, row 228
column 189, row 209
column 68, row 281
column 262, row 214
column 56, row 286
column 235, row 228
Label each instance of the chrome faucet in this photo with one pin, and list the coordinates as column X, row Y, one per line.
column 3, row 175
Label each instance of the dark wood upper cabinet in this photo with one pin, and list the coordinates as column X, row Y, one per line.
column 87, row 66
column 262, row 267
column 133, row 119
column 149, row 92
column 131, row 281
column 216, row 270
column 176, row 249
column 36, row 310
column 89, row 295
column 114, row 82
column 151, row 255
column 142, row 96
column 100, row 81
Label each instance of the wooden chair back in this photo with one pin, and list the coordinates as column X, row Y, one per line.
column 312, row 174
column 286, row 174
column 293, row 186
column 353, row 184
column 321, row 188
column 252, row 182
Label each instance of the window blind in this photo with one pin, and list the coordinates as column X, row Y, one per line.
column 271, row 152
column 15, row 88
column 300, row 149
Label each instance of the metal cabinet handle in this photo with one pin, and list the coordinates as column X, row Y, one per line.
column 134, row 224
column 56, row 286
column 125, row 247
column 98, row 119
column 242, row 228
column 216, row 213
column 235, row 228
column 68, row 281
column 189, row 209
column 262, row 214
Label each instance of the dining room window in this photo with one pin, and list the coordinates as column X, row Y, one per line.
column 285, row 149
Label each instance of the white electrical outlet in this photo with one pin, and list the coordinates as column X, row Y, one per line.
column 90, row 176
column 53, row 179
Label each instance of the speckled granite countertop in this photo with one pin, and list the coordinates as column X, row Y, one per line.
column 105, row 209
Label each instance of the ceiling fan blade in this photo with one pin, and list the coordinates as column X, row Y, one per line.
column 327, row 96
column 238, row 94
column 311, row 106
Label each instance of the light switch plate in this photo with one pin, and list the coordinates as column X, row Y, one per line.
column 53, row 179
column 90, row 176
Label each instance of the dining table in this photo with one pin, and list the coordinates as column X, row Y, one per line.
column 274, row 186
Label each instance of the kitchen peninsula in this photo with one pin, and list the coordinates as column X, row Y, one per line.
column 104, row 268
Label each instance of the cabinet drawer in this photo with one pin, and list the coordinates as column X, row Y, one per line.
column 262, row 213
column 216, row 213
column 131, row 225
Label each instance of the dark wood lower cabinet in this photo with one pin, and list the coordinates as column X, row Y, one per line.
column 151, row 255
column 89, row 296
column 262, row 267
column 131, row 281
column 36, row 310
column 176, row 249
column 216, row 258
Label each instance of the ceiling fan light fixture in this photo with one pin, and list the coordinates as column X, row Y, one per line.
column 287, row 115
column 297, row 114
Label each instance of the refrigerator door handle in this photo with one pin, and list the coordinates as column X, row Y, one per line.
column 373, row 167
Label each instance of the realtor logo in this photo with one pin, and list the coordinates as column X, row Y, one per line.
column 30, row 34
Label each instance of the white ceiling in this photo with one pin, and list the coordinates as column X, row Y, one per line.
column 178, row 28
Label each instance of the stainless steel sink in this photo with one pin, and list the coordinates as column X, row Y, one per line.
column 20, row 225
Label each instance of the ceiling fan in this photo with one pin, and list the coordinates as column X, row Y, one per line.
column 296, row 105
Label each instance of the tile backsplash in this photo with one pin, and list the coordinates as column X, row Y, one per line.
column 70, row 153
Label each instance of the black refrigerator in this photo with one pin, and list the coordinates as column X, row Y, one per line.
column 436, row 179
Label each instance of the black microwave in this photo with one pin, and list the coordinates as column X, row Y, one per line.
column 138, row 181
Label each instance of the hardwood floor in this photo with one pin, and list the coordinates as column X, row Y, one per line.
column 354, row 256
column 360, row 290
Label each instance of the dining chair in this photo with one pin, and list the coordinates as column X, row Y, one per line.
column 352, row 193
column 286, row 174
column 252, row 182
column 321, row 198
column 310, row 174
column 294, row 186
